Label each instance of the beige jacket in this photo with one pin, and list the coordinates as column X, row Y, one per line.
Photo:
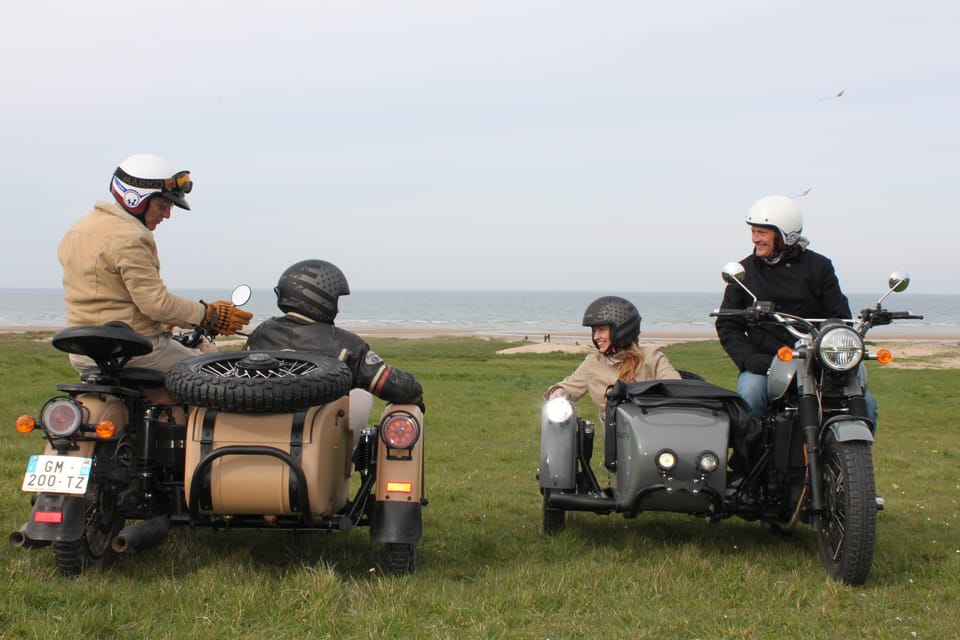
column 111, row 271
column 598, row 371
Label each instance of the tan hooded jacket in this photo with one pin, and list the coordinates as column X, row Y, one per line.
column 598, row 371
column 111, row 271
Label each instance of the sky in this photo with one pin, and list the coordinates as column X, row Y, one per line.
column 613, row 145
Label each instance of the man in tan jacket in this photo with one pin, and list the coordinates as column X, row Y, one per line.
column 111, row 270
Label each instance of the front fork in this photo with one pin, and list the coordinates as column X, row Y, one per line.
column 809, row 415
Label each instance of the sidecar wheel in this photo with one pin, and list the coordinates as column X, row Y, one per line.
column 103, row 521
column 846, row 533
column 553, row 519
column 259, row 381
column 399, row 558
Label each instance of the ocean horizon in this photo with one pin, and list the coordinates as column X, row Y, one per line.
column 507, row 313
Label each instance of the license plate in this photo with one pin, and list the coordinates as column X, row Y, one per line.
column 57, row 474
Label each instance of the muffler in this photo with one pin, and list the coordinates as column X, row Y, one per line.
column 141, row 535
column 21, row 540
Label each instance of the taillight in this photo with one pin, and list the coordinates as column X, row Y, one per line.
column 400, row 430
column 61, row 418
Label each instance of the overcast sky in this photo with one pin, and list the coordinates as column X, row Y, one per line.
column 515, row 145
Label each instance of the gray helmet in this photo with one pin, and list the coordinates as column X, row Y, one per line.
column 312, row 288
column 620, row 314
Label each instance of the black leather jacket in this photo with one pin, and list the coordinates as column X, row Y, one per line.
column 370, row 372
column 803, row 283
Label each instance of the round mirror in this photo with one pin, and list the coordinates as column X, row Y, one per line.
column 241, row 295
column 732, row 271
column 899, row 280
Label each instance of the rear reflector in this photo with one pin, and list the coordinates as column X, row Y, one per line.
column 50, row 517
column 401, row 487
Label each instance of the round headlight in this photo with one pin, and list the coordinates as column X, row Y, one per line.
column 559, row 410
column 400, row 431
column 666, row 460
column 840, row 348
column 708, row 462
column 61, row 418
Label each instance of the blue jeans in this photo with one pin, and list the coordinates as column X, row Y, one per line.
column 752, row 387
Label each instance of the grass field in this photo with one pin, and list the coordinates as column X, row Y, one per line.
column 485, row 569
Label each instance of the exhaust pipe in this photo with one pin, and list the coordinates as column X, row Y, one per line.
column 142, row 535
column 575, row 502
column 21, row 540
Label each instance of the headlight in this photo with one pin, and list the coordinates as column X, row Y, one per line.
column 666, row 460
column 708, row 462
column 840, row 348
column 400, row 431
column 61, row 418
column 559, row 410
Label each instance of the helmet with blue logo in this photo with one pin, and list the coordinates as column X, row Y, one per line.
column 143, row 176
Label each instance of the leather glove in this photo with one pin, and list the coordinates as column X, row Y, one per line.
column 758, row 363
column 224, row 318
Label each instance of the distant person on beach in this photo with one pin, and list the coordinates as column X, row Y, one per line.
column 781, row 269
column 308, row 293
column 615, row 327
column 111, row 271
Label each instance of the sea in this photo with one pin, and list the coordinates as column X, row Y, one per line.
column 513, row 314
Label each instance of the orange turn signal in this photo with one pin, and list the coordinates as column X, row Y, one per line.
column 401, row 487
column 25, row 424
column 785, row 354
column 106, row 429
column 884, row 356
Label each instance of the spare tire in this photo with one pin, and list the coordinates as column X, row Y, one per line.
column 259, row 381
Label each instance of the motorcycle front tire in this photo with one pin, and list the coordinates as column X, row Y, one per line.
column 846, row 532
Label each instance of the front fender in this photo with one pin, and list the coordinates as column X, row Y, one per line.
column 779, row 378
column 846, row 429
column 70, row 527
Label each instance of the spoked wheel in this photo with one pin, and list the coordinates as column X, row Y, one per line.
column 846, row 532
column 103, row 521
column 259, row 381
column 553, row 519
column 399, row 558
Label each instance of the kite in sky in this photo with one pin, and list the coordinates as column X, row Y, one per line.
column 803, row 193
column 839, row 94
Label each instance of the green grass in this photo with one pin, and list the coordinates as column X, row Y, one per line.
column 486, row 570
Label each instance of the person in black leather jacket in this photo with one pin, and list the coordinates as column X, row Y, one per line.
column 308, row 294
column 784, row 271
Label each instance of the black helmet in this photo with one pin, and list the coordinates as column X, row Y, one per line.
column 311, row 288
column 620, row 314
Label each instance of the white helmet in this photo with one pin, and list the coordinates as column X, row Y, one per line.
column 142, row 176
column 781, row 213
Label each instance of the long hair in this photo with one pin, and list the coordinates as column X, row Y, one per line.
column 632, row 361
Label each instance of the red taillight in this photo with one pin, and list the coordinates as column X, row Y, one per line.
column 48, row 517
column 62, row 418
column 400, row 431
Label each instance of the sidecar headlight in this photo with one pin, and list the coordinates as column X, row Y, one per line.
column 840, row 348
column 400, row 431
column 61, row 418
column 559, row 410
column 708, row 462
column 666, row 460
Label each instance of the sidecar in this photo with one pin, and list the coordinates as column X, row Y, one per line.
column 665, row 445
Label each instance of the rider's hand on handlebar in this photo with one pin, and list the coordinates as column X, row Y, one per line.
column 557, row 393
column 224, row 318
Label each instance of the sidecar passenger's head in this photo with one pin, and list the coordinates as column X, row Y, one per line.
column 312, row 288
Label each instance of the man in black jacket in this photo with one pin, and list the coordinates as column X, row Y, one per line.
column 308, row 294
column 784, row 271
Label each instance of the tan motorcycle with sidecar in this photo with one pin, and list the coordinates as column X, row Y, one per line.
column 229, row 440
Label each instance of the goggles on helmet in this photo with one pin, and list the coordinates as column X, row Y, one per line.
column 180, row 181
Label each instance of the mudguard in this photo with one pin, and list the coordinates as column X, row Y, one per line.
column 400, row 522
column 71, row 526
column 847, row 429
column 558, row 451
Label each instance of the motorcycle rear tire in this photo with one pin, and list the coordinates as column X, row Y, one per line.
column 846, row 533
column 299, row 380
column 102, row 522
column 399, row 558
